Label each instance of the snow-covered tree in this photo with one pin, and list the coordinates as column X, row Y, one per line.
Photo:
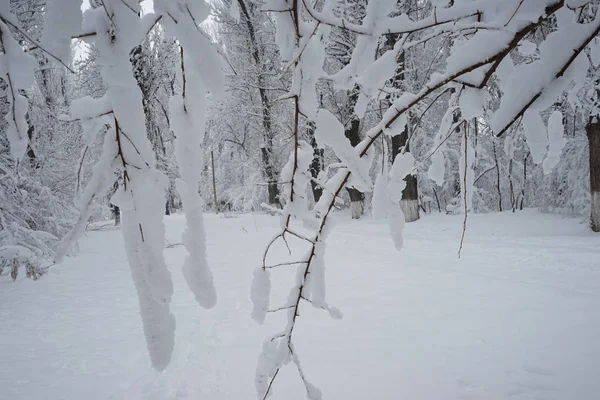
column 484, row 37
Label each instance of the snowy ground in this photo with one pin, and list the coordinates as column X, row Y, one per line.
column 517, row 317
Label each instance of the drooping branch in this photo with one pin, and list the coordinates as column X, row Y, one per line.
column 563, row 68
column 35, row 43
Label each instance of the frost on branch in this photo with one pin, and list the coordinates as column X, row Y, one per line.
column 127, row 151
column 330, row 132
column 305, row 54
column 437, row 169
column 181, row 19
column 92, row 114
column 535, row 86
column 117, row 29
column 484, row 36
column 187, row 116
column 16, row 69
column 200, row 71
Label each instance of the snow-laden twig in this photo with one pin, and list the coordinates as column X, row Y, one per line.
column 471, row 66
column 187, row 115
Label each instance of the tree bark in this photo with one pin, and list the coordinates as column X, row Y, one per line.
column 267, row 146
column 410, row 195
column 316, row 166
column 524, row 181
column 214, row 181
column 357, row 198
column 116, row 212
column 141, row 67
column 497, row 177
column 593, row 133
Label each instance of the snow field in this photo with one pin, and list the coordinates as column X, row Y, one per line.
column 515, row 318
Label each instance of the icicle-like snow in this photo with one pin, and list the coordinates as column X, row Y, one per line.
column 437, row 169
column 187, row 116
column 402, row 166
column 159, row 323
column 315, row 281
column 535, row 132
column 296, row 171
column 201, row 65
column 557, row 141
column 128, row 151
column 259, row 293
column 381, row 197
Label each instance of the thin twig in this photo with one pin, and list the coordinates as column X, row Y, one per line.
column 466, row 205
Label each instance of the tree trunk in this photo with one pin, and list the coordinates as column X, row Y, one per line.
column 247, row 13
column 437, row 199
column 214, row 181
column 316, row 166
column 357, row 201
column 593, row 134
column 357, row 198
column 497, row 177
column 271, row 177
column 513, row 201
column 524, row 181
column 141, row 72
column 33, row 162
column 116, row 212
column 410, row 195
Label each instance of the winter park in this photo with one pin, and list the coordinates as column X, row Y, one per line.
column 294, row 199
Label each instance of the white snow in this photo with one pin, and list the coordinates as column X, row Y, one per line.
column 188, row 119
column 527, row 48
column 536, row 135
column 181, row 19
column 401, row 167
column 379, row 203
column 142, row 194
column 259, row 293
column 556, row 139
column 16, row 69
column 471, row 102
column 330, row 132
column 63, row 20
column 515, row 318
column 545, row 75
